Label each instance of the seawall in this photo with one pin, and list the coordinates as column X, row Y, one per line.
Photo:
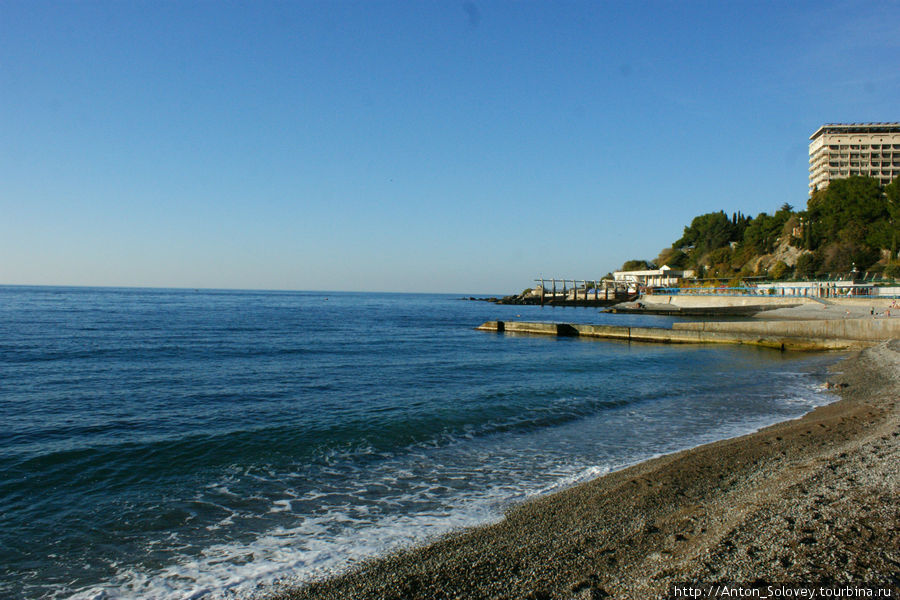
column 709, row 300
column 706, row 301
column 865, row 330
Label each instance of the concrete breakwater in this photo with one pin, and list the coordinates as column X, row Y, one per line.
column 865, row 330
column 783, row 335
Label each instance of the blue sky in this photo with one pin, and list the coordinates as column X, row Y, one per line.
column 463, row 147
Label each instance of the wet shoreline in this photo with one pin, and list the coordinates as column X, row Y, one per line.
column 813, row 500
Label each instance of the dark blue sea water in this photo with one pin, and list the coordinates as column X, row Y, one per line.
column 180, row 444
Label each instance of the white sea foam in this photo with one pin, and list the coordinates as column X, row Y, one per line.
column 310, row 550
column 586, row 474
column 280, row 506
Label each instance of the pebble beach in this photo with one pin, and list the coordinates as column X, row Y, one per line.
column 813, row 501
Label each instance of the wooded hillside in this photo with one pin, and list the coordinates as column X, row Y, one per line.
column 854, row 222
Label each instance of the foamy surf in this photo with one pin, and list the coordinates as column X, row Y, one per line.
column 303, row 553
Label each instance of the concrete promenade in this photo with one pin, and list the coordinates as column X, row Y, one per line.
column 766, row 303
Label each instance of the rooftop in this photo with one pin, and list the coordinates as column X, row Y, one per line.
column 856, row 128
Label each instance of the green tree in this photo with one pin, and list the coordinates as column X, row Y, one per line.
column 672, row 257
column 707, row 233
column 719, row 261
column 892, row 195
column 807, row 265
column 892, row 271
column 763, row 231
column 779, row 270
column 846, row 211
column 636, row 264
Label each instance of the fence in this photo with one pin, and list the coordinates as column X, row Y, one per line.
column 823, row 290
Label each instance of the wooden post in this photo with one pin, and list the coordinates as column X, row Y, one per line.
column 554, row 291
column 542, row 291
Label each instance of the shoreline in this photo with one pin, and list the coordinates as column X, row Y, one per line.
column 812, row 500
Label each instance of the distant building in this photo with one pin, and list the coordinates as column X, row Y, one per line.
column 839, row 150
column 665, row 276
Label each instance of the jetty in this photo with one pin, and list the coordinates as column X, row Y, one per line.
column 551, row 291
column 817, row 334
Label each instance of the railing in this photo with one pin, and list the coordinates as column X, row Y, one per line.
column 713, row 291
column 824, row 291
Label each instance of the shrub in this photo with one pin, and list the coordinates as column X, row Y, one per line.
column 892, row 271
column 779, row 270
column 807, row 265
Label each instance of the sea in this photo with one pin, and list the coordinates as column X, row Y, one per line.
column 178, row 444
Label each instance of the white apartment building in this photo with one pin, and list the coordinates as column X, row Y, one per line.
column 840, row 150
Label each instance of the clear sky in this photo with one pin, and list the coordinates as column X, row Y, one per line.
column 463, row 147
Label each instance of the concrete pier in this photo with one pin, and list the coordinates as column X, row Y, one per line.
column 782, row 335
